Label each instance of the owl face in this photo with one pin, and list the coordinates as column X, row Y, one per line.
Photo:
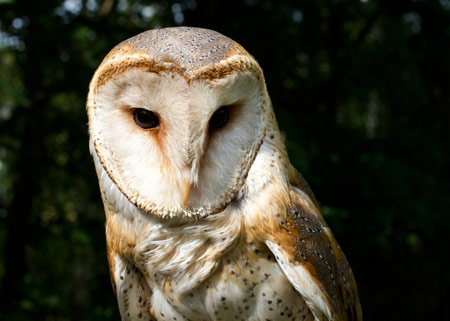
column 177, row 131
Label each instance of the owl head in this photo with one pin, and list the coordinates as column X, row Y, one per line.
column 176, row 117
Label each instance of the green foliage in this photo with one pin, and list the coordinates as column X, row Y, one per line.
column 360, row 89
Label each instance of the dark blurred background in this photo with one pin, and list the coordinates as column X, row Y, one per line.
column 361, row 89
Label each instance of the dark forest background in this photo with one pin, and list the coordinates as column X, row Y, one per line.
column 361, row 89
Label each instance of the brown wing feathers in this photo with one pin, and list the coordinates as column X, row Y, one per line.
column 319, row 253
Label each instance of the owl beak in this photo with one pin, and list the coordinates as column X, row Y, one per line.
column 186, row 189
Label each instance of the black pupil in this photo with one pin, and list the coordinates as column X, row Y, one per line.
column 219, row 118
column 145, row 118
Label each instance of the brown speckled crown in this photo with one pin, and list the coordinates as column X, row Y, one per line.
column 190, row 48
column 193, row 53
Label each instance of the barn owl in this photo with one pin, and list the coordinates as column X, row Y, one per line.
column 206, row 218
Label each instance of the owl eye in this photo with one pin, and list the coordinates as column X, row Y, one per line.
column 220, row 118
column 145, row 118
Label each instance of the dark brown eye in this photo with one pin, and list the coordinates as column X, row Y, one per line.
column 220, row 118
column 145, row 118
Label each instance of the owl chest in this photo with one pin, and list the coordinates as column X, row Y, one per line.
column 246, row 284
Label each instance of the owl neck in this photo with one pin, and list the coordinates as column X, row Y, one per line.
column 175, row 257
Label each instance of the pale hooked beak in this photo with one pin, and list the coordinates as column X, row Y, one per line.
column 186, row 190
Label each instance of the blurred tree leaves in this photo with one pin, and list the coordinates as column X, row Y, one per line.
column 360, row 88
